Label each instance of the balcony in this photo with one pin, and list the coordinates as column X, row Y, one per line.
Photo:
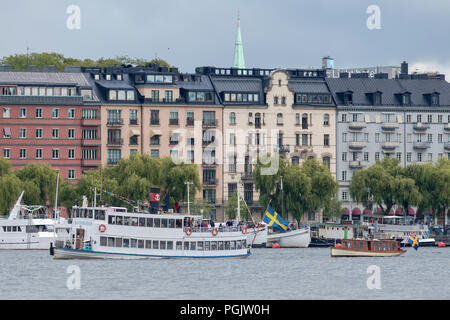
column 133, row 122
column 389, row 125
column 115, row 143
column 114, row 122
column 421, row 145
column 418, row 126
column 282, row 149
column 247, row 176
column 357, row 145
column 154, row 122
column 357, row 125
column 173, row 122
column 447, row 146
column 209, row 123
column 189, row 122
column 358, row 164
column 211, row 163
column 389, row 145
column 447, row 127
column 210, row 182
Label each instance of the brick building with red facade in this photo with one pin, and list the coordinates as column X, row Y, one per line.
column 50, row 117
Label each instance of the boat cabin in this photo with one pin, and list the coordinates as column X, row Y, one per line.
column 370, row 245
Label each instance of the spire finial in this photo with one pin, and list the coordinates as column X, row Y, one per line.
column 239, row 18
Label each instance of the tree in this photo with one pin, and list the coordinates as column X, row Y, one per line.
column 5, row 167
column 230, row 207
column 9, row 192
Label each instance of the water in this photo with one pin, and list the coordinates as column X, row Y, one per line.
column 267, row 274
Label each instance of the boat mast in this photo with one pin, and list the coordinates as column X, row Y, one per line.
column 188, row 183
column 282, row 198
column 56, row 200
column 238, row 214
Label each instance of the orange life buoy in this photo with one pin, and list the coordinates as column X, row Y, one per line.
column 102, row 228
column 215, row 231
column 188, row 231
column 244, row 229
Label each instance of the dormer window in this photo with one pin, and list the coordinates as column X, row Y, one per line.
column 377, row 98
column 119, row 77
column 108, row 77
column 96, row 77
column 348, row 98
column 434, row 99
column 406, row 99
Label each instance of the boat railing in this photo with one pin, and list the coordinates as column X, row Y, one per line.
column 220, row 229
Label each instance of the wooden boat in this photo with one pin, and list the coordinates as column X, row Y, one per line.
column 367, row 248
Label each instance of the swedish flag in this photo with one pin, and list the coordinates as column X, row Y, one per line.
column 274, row 220
column 413, row 240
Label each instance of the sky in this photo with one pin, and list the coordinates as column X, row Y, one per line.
column 275, row 34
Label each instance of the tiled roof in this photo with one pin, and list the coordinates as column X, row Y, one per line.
column 203, row 84
column 308, row 86
column 61, row 78
column 237, row 84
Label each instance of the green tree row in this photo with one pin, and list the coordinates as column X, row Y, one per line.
column 305, row 188
column 131, row 178
column 387, row 184
column 21, row 62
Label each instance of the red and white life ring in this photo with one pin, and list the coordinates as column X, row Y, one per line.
column 188, row 231
column 215, row 231
column 244, row 229
column 102, row 228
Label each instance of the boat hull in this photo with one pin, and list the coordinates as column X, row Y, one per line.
column 67, row 254
column 339, row 252
column 300, row 238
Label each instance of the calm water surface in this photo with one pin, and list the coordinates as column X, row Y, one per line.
column 267, row 274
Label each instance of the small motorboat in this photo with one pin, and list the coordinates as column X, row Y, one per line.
column 367, row 248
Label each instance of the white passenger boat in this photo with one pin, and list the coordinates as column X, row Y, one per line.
column 266, row 238
column 115, row 233
column 28, row 228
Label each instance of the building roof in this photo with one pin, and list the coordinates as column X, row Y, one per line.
column 318, row 86
column 44, row 78
column 237, row 84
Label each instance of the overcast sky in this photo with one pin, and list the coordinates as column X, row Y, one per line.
column 191, row 33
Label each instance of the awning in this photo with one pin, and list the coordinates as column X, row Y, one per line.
column 356, row 212
column 391, row 212
column 367, row 212
column 135, row 132
column 7, row 131
column 156, row 133
column 345, row 211
column 411, row 211
column 399, row 212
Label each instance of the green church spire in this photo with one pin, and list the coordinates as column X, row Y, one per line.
column 238, row 60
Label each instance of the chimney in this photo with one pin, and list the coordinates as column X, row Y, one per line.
column 404, row 68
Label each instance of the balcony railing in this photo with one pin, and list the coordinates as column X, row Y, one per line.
column 447, row 127
column 357, row 125
column 421, row 126
column 447, row 146
column 421, row 145
column 389, row 125
column 209, row 123
column 210, row 182
column 247, row 175
column 358, row 164
column 154, row 122
column 114, row 122
column 357, row 144
column 133, row 122
column 189, row 122
column 282, row 149
column 389, row 145
column 114, row 142
column 173, row 122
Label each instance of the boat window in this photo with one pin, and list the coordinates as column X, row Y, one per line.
column 393, row 246
column 103, row 241
column 126, row 221
column 186, row 245
column 91, row 214
column 155, row 244
column 384, row 246
column 163, row 223
column 213, row 245
column 133, row 243
column 220, row 245
column 171, row 223
column 179, row 245
column 361, row 245
column 157, row 222
column 126, row 243
column 110, row 242
column 141, row 244
column 111, row 219
column 349, row 244
column 200, row 245
column 119, row 242
column 169, row 245
column 141, row 222
column 85, row 213
column 244, row 243
column 119, row 220
column 14, row 229
column 134, row 222
column 148, row 244
column 19, row 229
column 149, row 222
column 193, row 245
column 232, row 245
column 207, row 243
column 227, row 245
column 162, row 245
column 179, row 223
column 238, row 244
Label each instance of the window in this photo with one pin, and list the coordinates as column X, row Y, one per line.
column 55, row 133
column 55, row 113
column 326, row 119
column 23, row 112
column 154, row 117
column 173, row 118
column 232, row 118
column 430, row 118
column 71, row 133
column 344, row 195
column 408, row 156
column 232, row 164
column 71, row 113
column 23, row 153
column 71, row 174
column 89, row 114
column 304, row 121
column 344, row 118
column 344, row 156
column 399, row 156
column 155, row 95
column 327, row 161
column 168, row 95
column 344, row 175
column 279, row 119
column 114, row 156
column 55, row 154
column 6, row 113
column 23, row 133
column 326, row 140
column 133, row 117
column 38, row 113
column 408, row 118
column 419, row 157
column 154, row 153
column 71, row 154
column 377, row 156
column 366, row 156
column 6, row 153
column 275, row 100
column 304, row 139
column 283, row 100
